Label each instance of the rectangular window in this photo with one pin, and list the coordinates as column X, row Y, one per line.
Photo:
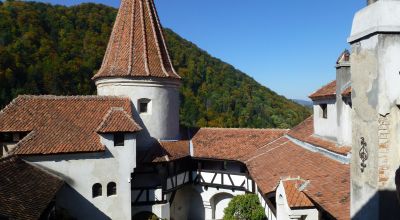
column 119, row 139
column 143, row 107
column 324, row 110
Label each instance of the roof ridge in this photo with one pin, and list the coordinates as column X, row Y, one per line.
column 269, row 129
column 163, row 40
column 263, row 153
column 57, row 97
column 22, row 141
column 116, row 109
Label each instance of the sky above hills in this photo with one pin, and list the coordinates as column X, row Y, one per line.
column 290, row 46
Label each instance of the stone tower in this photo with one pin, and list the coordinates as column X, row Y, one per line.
column 137, row 65
column 375, row 73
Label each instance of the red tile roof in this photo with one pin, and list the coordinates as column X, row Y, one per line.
column 25, row 191
column 61, row 124
column 164, row 151
column 329, row 184
column 305, row 132
column 232, row 143
column 270, row 157
column 347, row 92
column 294, row 195
column 137, row 47
column 326, row 92
column 117, row 120
column 344, row 57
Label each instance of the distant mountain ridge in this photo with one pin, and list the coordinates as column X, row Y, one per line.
column 305, row 103
column 52, row 49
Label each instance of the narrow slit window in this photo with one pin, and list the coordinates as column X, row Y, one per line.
column 324, row 110
column 119, row 139
column 111, row 189
column 97, row 190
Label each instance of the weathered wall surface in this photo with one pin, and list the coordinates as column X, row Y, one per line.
column 162, row 120
column 325, row 127
column 343, row 81
column 81, row 171
column 376, row 80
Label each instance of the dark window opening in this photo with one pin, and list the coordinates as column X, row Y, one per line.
column 111, row 189
column 6, row 137
column 324, row 110
column 96, row 190
column 143, row 107
column 119, row 139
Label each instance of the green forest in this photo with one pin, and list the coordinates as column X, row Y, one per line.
column 51, row 49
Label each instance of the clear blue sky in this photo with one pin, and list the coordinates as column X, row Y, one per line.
column 290, row 46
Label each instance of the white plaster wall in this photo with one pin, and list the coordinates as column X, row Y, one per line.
column 284, row 212
column 325, row 127
column 81, row 171
column 267, row 206
column 345, row 130
column 178, row 180
column 219, row 202
column 208, row 199
column 237, row 179
column 162, row 122
column 188, row 204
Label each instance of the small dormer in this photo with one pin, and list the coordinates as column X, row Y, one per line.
column 9, row 140
column 325, row 111
column 117, row 125
column 292, row 202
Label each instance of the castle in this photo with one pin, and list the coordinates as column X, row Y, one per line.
column 122, row 155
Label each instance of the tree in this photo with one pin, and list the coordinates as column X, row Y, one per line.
column 244, row 207
column 48, row 49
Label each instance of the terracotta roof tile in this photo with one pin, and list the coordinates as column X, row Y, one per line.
column 117, row 120
column 326, row 92
column 232, row 143
column 137, row 47
column 164, row 151
column 329, row 180
column 270, row 157
column 305, row 132
column 59, row 124
column 294, row 195
column 25, row 190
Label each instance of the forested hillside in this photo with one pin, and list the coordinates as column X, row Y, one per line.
column 47, row 49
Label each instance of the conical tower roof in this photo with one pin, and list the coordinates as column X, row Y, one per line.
column 137, row 47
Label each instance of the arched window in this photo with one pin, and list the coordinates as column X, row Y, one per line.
column 111, row 189
column 97, row 190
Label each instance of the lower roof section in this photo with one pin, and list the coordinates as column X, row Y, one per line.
column 25, row 190
column 272, row 155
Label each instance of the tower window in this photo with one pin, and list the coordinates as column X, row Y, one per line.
column 97, row 190
column 144, row 106
column 111, row 189
column 324, row 110
column 119, row 139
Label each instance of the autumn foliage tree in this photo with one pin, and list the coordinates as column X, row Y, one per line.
column 244, row 207
column 52, row 49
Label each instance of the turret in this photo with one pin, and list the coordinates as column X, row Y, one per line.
column 137, row 65
column 375, row 66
